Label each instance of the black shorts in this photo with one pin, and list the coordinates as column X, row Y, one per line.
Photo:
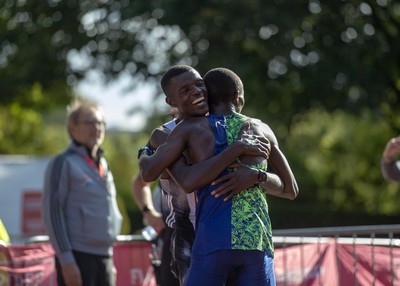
column 181, row 249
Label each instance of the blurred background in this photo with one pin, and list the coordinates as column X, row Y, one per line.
column 324, row 75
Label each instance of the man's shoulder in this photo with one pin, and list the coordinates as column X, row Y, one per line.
column 164, row 129
column 194, row 125
column 192, row 122
column 170, row 125
column 158, row 136
column 60, row 159
column 194, row 119
column 160, row 133
column 259, row 123
column 263, row 128
column 64, row 154
column 160, row 130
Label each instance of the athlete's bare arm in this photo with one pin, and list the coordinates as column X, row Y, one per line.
column 279, row 165
column 142, row 195
column 206, row 170
column 280, row 179
column 196, row 137
column 152, row 166
column 243, row 178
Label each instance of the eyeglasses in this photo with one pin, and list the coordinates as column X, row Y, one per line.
column 91, row 123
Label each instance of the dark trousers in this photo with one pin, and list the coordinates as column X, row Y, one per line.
column 96, row 270
column 164, row 275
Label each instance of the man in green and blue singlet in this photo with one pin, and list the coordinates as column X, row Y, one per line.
column 186, row 90
column 231, row 235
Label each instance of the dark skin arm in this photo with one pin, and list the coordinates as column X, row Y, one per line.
column 281, row 181
column 141, row 193
column 151, row 167
column 280, row 166
column 195, row 176
column 157, row 138
column 191, row 178
column 243, row 178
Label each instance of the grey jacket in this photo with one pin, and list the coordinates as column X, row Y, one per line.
column 79, row 207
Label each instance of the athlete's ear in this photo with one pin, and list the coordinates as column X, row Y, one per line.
column 238, row 101
column 170, row 101
column 235, row 99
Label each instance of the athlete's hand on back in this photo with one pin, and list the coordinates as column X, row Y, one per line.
column 233, row 183
column 253, row 141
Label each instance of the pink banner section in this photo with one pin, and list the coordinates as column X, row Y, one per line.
column 328, row 264
column 31, row 264
column 332, row 264
column 133, row 264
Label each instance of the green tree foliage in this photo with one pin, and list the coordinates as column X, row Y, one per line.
column 339, row 155
column 336, row 159
column 33, row 50
column 23, row 131
column 323, row 74
column 291, row 55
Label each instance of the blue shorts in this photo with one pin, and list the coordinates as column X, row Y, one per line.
column 248, row 267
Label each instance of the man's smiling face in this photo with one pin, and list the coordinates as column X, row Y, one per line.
column 188, row 93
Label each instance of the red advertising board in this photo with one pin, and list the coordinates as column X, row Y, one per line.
column 328, row 264
column 31, row 213
column 133, row 264
column 23, row 265
column 33, row 264
column 332, row 264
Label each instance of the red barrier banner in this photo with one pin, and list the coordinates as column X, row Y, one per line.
column 31, row 264
column 369, row 265
column 32, row 223
column 332, row 264
column 133, row 264
column 328, row 264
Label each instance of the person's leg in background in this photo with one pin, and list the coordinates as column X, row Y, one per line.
column 166, row 276
column 95, row 270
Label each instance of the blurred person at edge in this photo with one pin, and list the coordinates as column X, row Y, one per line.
column 4, row 237
column 390, row 166
column 155, row 213
column 79, row 203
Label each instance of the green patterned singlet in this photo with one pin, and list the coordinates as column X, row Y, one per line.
column 251, row 225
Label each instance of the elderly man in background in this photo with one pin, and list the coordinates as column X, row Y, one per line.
column 79, row 204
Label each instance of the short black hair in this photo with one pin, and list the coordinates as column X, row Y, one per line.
column 222, row 84
column 171, row 73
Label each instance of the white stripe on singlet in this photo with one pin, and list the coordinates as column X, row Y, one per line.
column 170, row 219
column 192, row 199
